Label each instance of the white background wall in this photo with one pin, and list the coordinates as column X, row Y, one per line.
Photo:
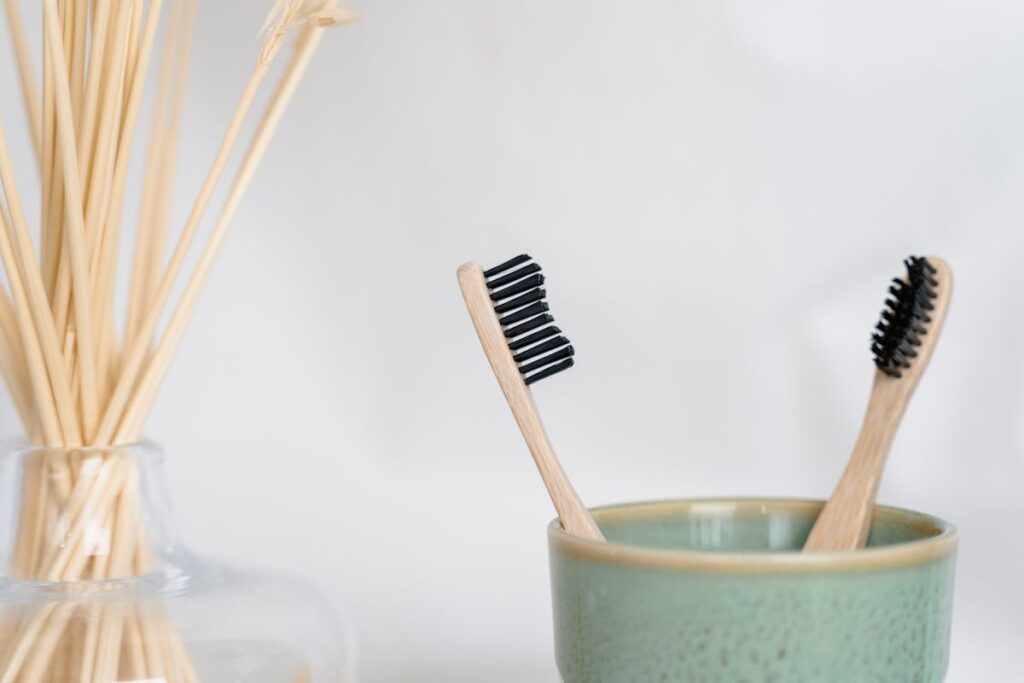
column 718, row 191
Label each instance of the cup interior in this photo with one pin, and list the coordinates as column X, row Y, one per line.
column 750, row 535
column 746, row 525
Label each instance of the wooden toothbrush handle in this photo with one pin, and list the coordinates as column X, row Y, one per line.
column 573, row 513
column 845, row 521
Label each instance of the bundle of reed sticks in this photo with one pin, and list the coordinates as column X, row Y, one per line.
column 82, row 375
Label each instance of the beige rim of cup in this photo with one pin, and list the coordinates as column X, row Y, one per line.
column 941, row 540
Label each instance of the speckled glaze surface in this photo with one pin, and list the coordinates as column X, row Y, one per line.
column 716, row 591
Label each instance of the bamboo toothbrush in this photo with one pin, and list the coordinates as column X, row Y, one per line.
column 523, row 347
column 903, row 343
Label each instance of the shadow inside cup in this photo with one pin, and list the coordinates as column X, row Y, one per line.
column 718, row 590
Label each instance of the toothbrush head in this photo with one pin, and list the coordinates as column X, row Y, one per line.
column 906, row 318
column 538, row 347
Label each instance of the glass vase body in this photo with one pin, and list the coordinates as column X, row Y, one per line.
column 97, row 588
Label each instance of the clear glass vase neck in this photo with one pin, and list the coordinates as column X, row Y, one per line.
column 84, row 514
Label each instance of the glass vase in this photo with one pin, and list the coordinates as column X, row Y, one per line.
column 96, row 587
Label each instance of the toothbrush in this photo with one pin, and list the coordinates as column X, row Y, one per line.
column 523, row 347
column 902, row 345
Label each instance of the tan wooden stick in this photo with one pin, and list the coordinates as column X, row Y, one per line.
column 99, row 150
column 37, row 371
column 51, row 227
column 74, row 225
column 111, row 480
column 44, row 502
column 90, row 109
column 77, row 54
column 8, row 322
column 43, row 647
column 136, row 351
column 154, row 256
column 158, row 175
column 845, row 521
column 134, row 36
column 28, row 636
column 13, row 363
column 12, row 368
column 30, row 93
column 30, row 507
column 136, row 649
column 90, row 644
column 97, row 168
column 135, row 85
column 26, row 271
column 103, row 265
column 575, row 517
column 135, row 408
column 156, row 368
column 97, row 124
column 58, row 350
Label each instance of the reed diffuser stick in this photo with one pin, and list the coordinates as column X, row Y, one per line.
column 160, row 165
column 160, row 359
column 74, row 225
column 28, row 311
column 75, row 379
column 138, row 347
column 29, row 91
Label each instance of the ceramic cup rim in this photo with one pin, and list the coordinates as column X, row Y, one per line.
column 942, row 541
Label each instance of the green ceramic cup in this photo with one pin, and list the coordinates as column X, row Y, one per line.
column 716, row 591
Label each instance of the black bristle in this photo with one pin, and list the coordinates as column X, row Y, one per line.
column 541, row 349
column 524, row 313
column 540, row 335
column 549, row 371
column 512, row 277
column 515, row 287
column 905, row 319
column 511, row 263
column 520, row 301
column 528, row 326
column 531, row 282
column 561, row 354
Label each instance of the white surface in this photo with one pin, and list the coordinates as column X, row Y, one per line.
column 718, row 192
